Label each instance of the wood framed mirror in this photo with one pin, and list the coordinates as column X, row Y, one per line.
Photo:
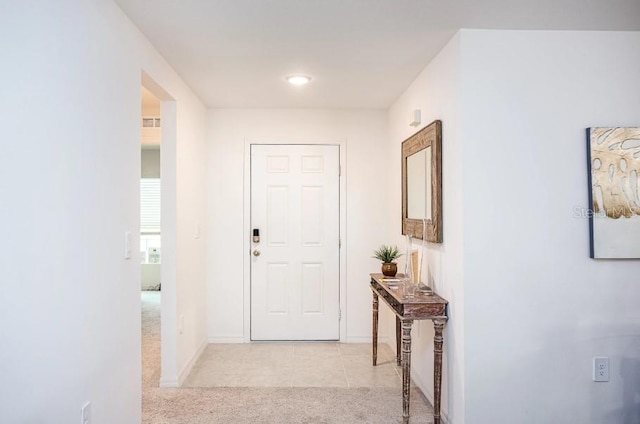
column 422, row 184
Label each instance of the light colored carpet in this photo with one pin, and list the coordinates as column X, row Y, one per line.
column 268, row 405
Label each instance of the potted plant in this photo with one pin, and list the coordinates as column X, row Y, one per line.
column 388, row 254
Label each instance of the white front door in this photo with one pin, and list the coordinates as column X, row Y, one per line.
column 295, row 206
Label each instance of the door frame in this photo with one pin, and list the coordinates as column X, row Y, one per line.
column 246, row 257
column 169, row 373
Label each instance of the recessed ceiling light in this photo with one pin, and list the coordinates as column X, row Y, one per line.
column 298, row 79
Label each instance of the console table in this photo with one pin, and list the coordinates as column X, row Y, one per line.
column 407, row 309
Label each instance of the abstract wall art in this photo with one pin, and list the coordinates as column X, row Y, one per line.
column 614, row 192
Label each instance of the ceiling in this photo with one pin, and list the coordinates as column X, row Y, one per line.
column 360, row 53
column 150, row 103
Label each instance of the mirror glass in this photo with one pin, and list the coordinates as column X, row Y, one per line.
column 419, row 184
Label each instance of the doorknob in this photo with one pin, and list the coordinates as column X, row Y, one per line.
column 256, row 252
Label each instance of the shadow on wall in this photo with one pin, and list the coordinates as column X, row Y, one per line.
column 565, row 391
column 630, row 373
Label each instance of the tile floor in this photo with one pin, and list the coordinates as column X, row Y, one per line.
column 312, row 364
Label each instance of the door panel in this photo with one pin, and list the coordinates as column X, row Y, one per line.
column 312, row 289
column 295, row 199
column 277, row 218
column 312, row 213
column 277, row 292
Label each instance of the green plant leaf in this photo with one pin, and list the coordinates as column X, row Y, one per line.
column 387, row 254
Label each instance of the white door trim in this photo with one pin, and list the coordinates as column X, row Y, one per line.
column 169, row 373
column 246, row 244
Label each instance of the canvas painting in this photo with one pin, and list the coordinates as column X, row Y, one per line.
column 614, row 191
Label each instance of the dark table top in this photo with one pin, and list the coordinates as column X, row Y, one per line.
column 423, row 305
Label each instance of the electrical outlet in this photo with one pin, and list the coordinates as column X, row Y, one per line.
column 85, row 417
column 600, row 368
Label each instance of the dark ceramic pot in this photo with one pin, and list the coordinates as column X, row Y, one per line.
column 390, row 269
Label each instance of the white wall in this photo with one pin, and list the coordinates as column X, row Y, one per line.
column 191, row 208
column 70, row 305
column 528, row 308
column 368, row 220
column 150, row 162
column 436, row 92
column 537, row 308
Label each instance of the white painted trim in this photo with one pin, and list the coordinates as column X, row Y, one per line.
column 429, row 395
column 423, row 387
column 189, row 366
column 246, row 245
column 246, row 269
column 168, row 269
column 169, row 383
column 220, row 340
column 360, row 339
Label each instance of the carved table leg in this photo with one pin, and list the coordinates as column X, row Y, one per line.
column 438, row 325
column 398, row 339
column 406, row 368
column 375, row 328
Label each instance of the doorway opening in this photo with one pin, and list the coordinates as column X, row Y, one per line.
column 150, row 192
column 150, row 235
column 166, row 253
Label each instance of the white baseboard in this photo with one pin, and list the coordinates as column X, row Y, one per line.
column 364, row 339
column 189, row 366
column 428, row 393
column 239, row 339
column 169, row 383
column 358, row 339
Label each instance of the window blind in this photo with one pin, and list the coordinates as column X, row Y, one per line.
column 150, row 206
